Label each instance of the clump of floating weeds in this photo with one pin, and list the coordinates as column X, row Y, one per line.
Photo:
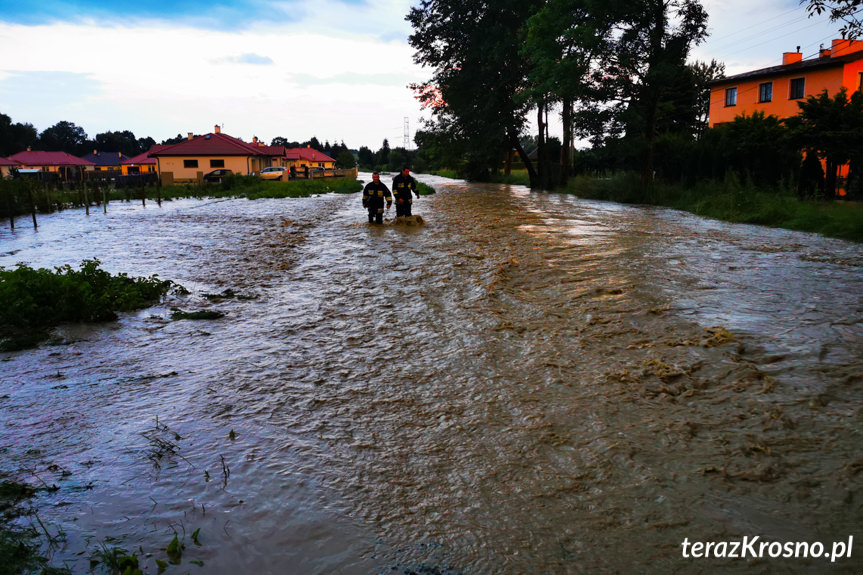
column 178, row 314
column 163, row 444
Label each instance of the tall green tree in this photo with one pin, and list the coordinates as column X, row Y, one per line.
column 846, row 11
column 565, row 41
column 834, row 127
column 652, row 52
column 15, row 137
column 64, row 137
column 473, row 48
column 120, row 141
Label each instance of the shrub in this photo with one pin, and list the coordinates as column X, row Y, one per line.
column 37, row 299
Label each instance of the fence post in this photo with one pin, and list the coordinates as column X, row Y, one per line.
column 104, row 200
column 86, row 198
column 9, row 208
column 32, row 205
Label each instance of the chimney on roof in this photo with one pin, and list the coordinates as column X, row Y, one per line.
column 217, row 129
column 824, row 52
column 792, row 57
column 28, row 149
column 119, row 154
column 95, row 152
column 190, row 136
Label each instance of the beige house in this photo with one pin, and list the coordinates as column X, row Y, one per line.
column 197, row 156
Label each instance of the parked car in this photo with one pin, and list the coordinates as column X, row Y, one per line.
column 274, row 173
column 217, row 175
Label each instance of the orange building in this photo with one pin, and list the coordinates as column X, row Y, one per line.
column 775, row 91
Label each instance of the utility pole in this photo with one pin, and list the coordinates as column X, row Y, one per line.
column 407, row 133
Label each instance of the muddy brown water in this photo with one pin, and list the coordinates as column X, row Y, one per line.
column 529, row 383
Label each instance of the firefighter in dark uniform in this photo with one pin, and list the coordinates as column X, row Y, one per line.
column 374, row 195
column 404, row 187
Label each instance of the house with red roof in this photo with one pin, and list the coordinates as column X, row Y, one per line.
column 67, row 166
column 197, row 156
column 142, row 163
column 6, row 166
column 300, row 158
column 106, row 161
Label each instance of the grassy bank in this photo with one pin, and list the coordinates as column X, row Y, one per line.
column 32, row 301
column 732, row 201
column 20, row 197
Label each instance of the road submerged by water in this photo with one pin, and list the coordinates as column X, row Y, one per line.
column 530, row 383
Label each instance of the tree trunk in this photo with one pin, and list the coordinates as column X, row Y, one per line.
column 541, row 159
column 566, row 148
column 516, row 145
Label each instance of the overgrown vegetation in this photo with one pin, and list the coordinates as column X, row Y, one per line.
column 22, row 196
column 34, row 300
column 734, row 201
column 19, row 547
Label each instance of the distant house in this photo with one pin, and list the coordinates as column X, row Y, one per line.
column 299, row 158
column 192, row 159
column 67, row 166
column 776, row 90
column 6, row 166
column 106, row 161
column 142, row 163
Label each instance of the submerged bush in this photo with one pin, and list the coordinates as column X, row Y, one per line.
column 37, row 299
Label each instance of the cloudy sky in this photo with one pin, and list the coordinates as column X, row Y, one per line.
column 334, row 69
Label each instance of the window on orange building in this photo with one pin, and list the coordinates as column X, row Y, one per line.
column 731, row 96
column 217, row 163
column 798, row 88
column 190, row 163
column 765, row 92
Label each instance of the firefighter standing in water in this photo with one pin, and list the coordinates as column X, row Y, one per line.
column 404, row 186
column 374, row 195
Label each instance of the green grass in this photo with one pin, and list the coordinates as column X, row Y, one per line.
column 19, row 548
column 16, row 195
column 515, row 177
column 35, row 300
column 732, row 201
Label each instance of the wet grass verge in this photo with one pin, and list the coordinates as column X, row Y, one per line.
column 19, row 547
column 254, row 188
column 732, row 201
column 32, row 301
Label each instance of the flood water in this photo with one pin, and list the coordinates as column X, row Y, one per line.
column 529, row 383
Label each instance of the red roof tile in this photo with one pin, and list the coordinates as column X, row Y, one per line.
column 217, row 144
column 146, row 157
column 308, row 154
column 8, row 162
column 35, row 158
